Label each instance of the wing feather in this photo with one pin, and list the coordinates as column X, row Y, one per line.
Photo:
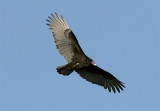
column 65, row 40
column 100, row 77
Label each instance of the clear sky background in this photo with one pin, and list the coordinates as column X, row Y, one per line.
column 121, row 36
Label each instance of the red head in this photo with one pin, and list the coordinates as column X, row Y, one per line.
column 93, row 63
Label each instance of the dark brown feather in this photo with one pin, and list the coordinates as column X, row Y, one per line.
column 98, row 76
column 65, row 39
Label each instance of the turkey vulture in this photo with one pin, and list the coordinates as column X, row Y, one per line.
column 69, row 47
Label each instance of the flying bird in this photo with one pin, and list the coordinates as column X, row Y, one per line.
column 68, row 46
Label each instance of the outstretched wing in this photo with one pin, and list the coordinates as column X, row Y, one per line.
column 65, row 40
column 98, row 76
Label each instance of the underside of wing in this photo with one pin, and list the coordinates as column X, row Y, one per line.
column 64, row 38
column 100, row 77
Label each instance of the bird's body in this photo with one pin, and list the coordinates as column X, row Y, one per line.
column 68, row 46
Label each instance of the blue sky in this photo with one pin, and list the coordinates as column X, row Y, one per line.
column 121, row 36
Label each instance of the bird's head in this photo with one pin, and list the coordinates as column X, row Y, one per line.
column 92, row 62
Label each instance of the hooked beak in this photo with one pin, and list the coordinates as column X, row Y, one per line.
column 93, row 63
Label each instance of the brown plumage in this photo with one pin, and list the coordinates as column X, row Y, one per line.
column 69, row 47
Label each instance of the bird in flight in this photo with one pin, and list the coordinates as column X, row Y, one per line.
column 68, row 46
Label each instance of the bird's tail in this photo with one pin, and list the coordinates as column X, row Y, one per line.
column 63, row 70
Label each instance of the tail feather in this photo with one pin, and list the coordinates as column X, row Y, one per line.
column 63, row 70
